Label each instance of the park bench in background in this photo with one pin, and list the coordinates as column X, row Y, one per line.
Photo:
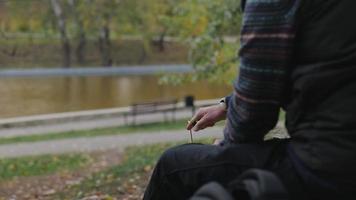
column 165, row 107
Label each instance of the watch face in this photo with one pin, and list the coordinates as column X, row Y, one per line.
column 243, row 3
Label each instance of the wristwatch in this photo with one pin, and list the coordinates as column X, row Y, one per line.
column 223, row 103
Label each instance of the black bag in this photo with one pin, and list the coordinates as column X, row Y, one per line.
column 252, row 185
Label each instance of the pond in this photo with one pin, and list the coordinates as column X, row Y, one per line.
column 31, row 96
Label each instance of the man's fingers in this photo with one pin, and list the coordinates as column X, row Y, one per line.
column 195, row 119
column 198, row 126
column 203, row 123
column 191, row 124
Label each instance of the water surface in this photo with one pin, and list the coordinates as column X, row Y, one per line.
column 30, row 96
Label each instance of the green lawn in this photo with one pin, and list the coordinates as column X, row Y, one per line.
column 151, row 127
column 40, row 165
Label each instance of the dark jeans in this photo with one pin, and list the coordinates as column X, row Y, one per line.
column 182, row 170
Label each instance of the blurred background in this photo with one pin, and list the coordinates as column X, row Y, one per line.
column 47, row 34
column 83, row 85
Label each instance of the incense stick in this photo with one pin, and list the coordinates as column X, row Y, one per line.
column 191, row 134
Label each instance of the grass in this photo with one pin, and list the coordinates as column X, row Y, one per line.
column 40, row 165
column 151, row 127
column 124, row 178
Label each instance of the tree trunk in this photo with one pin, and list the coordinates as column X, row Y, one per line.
column 80, row 49
column 143, row 55
column 61, row 25
column 161, row 46
column 105, row 45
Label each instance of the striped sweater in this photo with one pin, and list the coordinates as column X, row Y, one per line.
column 266, row 56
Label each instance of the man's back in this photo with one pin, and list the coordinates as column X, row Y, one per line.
column 322, row 104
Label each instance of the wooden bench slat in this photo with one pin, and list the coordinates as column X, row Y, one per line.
column 152, row 107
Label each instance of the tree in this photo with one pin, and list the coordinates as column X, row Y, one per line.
column 81, row 35
column 61, row 25
column 208, row 26
column 166, row 13
column 99, row 16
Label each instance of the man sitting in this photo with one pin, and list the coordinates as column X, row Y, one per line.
column 299, row 55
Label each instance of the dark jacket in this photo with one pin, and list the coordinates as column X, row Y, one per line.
column 321, row 110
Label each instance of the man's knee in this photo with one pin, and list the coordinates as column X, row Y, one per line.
column 175, row 157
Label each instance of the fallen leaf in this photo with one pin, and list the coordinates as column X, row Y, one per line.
column 49, row 192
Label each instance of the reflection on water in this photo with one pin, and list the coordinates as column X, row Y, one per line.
column 27, row 96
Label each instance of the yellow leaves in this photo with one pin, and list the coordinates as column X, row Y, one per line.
column 192, row 27
column 35, row 24
column 200, row 26
column 55, row 158
column 147, row 168
column 108, row 198
column 99, row 196
column 220, row 57
column 191, row 18
column 15, row 24
column 205, row 24
column 12, row 167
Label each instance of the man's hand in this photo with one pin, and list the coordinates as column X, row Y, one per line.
column 207, row 117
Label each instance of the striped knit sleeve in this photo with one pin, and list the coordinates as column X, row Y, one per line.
column 267, row 38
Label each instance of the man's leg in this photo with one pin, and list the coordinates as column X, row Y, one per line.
column 183, row 169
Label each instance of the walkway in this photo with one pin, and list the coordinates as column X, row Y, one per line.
column 84, row 120
column 75, row 125
column 119, row 142
column 87, row 120
column 89, row 144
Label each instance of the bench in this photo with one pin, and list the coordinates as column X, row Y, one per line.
column 164, row 107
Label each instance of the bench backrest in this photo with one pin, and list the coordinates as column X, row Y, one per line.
column 154, row 106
